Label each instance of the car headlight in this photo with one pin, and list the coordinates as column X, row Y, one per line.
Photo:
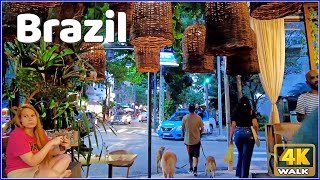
column 3, row 125
column 179, row 128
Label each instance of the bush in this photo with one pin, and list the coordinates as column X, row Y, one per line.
column 169, row 109
column 262, row 120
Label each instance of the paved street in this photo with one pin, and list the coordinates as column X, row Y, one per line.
column 133, row 138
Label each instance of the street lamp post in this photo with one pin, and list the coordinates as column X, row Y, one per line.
column 219, row 95
column 149, row 123
column 206, row 82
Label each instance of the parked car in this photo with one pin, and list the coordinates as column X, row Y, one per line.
column 171, row 128
column 143, row 117
column 120, row 118
column 209, row 123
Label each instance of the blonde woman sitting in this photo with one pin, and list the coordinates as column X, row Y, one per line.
column 30, row 153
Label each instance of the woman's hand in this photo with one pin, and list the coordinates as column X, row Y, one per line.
column 56, row 141
column 66, row 143
column 231, row 141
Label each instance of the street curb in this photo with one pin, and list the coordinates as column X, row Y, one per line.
column 219, row 174
column 209, row 139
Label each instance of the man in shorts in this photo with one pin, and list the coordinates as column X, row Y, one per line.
column 192, row 127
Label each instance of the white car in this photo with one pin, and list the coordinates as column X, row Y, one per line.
column 143, row 117
column 209, row 123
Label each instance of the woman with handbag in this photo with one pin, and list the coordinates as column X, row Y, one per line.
column 242, row 121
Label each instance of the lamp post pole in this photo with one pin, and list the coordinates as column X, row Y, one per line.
column 155, row 101
column 149, row 123
column 219, row 95
column 206, row 95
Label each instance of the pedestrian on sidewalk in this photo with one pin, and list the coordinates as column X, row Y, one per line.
column 192, row 127
column 242, row 120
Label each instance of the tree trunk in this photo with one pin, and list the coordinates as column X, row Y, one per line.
column 239, row 87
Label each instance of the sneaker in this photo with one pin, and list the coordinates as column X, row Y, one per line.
column 195, row 171
column 190, row 171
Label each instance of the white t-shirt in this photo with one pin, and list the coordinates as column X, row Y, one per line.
column 307, row 103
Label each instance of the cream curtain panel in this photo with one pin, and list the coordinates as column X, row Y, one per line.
column 271, row 54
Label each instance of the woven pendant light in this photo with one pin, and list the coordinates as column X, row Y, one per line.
column 147, row 59
column 194, row 58
column 9, row 18
column 273, row 10
column 228, row 28
column 245, row 62
column 126, row 7
column 96, row 56
column 31, row 6
column 151, row 24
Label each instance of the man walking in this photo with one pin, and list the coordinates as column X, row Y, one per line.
column 192, row 126
column 308, row 102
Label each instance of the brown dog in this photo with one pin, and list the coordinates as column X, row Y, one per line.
column 159, row 156
column 168, row 164
column 211, row 166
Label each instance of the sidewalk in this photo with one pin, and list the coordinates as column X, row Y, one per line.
column 219, row 174
column 211, row 137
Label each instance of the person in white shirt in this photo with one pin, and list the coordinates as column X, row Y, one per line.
column 308, row 102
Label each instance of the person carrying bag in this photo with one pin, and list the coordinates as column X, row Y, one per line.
column 244, row 128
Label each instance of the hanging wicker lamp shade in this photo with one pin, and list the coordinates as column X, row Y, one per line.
column 9, row 18
column 245, row 62
column 273, row 10
column 194, row 58
column 151, row 24
column 126, row 7
column 31, row 6
column 228, row 28
column 96, row 56
column 147, row 59
column 9, row 33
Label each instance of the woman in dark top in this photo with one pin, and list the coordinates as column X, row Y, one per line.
column 242, row 120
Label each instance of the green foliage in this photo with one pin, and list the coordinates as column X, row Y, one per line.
column 177, row 81
column 117, row 67
column 251, row 88
column 314, row 33
column 184, row 14
column 262, row 120
column 191, row 95
column 95, row 11
column 27, row 80
column 45, row 56
column 169, row 108
column 141, row 97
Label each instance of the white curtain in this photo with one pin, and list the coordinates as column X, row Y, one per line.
column 271, row 54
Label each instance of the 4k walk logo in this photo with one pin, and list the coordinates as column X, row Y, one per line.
column 294, row 160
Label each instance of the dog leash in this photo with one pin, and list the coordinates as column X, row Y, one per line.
column 203, row 151
column 181, row 166
column 176, row 166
